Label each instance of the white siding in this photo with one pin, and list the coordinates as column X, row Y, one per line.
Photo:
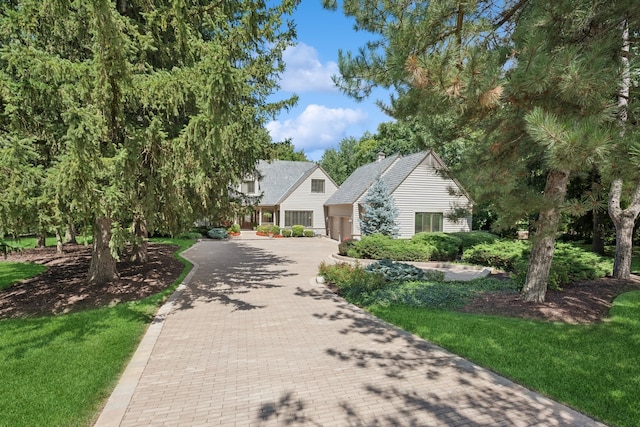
column 426, row 191
column 302, row 199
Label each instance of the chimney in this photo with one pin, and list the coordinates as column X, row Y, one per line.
column 381, row 156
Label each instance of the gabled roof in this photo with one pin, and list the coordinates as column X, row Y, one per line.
column 393, row 170
column 280, row 178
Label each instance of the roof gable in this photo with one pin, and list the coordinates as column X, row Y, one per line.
column 280, row 177
column 360, row 181
column 393, row 170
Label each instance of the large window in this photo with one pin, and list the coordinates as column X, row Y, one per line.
column 292, row 218
column 427, row 221
column 317, row 185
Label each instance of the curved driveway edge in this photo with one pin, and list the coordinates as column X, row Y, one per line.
column 252, row 340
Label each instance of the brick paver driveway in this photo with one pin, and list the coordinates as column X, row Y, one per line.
column 252, row 340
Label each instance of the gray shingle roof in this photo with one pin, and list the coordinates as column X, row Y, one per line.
column 394, row 170
column 280, row 177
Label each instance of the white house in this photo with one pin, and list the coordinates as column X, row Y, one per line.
column 292, row 193
column 423, row 195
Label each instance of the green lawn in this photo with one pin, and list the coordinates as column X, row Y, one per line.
column 593, row 368
column 11, row 272
column 58, row 370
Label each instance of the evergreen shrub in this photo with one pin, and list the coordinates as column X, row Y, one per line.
column 345, row 246
column 275, row 230
column 217, row 233
column 378, row 246
column 446, row 245
column 286, row 232
column 402, row 272
column 570, row 264
column 472, row 238
column 308, row 233
column 297, row 230
column 502, row 254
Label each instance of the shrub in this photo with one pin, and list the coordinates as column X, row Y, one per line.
column 235, row 228
column 503, row 254
column 308, row 233
column 446, row 245
column 345, row 246
column 472, row 238
column 275, row 230
column 297, row 230
column 377, row 246
column 396, row 271
column 217, row 233
column 344, row 275
column 263, row 229
column 353, row 282
column 286, row 232
column 570, row 264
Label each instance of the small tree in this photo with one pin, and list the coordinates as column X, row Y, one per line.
column 380, row 211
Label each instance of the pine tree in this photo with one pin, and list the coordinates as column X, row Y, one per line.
column 536, row 77
column 140, row 111
column 380, row 213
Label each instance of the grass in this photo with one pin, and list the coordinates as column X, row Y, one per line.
column 11, row 272
column 58, row 370
column 593, row 368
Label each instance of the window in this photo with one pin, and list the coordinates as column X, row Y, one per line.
column 426, row 221
column 248, row 187
column 317, row 185
column 304, row 218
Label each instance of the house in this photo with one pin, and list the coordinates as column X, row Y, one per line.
column 424, row 197
column 292, row 193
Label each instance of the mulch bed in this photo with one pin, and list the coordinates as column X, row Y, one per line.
column 63, row 289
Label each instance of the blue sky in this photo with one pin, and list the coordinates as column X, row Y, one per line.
column 323, row 116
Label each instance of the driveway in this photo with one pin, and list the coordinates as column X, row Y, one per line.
column 252, row 340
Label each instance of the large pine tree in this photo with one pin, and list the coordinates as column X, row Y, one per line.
column 538, row 79
column 145, row 111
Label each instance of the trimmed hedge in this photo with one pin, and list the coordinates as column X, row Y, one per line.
column 308, row 233
column 286, row 232
column 378, row 246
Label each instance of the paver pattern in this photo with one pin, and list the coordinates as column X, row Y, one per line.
column 252, row 340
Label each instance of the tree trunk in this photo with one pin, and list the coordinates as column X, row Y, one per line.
column 624, row 221
column 535, row 286
column 103, row 265
column 70, row 235
column 41, row 239
column 597, row 244
column 139, row 252
column 59, row 248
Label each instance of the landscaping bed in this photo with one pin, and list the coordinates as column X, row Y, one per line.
column 62, row 287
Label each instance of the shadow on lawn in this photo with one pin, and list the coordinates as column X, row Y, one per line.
column 234, row 269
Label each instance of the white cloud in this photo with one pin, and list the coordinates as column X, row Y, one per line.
column 305, row 72
column 317, row 128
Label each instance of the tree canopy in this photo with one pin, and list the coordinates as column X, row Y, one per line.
column 114, row 112
column 537, row 79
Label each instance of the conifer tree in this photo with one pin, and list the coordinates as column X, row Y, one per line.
column 147, row 111
column 381, row 214
column 536, row 77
